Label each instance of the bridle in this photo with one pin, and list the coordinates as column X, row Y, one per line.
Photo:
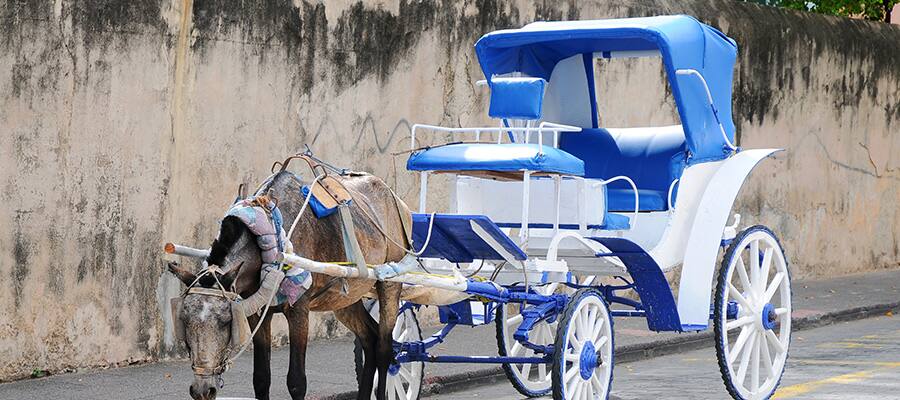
column 219, row 291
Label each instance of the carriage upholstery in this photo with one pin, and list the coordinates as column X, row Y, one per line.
column 492, row 157
column 651, row 157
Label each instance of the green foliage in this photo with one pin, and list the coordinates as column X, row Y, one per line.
column 875, row 10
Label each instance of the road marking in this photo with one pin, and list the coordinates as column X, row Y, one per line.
column 845, row 362
column 804, row 388
column 850, row 345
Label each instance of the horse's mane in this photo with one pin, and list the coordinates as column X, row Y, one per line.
column 233, row 228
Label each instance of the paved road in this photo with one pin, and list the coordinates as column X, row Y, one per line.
column 857, row 360
column 331, row 361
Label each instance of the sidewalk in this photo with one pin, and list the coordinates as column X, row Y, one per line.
column 330, row 362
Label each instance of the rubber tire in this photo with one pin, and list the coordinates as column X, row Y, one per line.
column 556, row 369
column 358, row 356
column 720, row 309
column 499, row 320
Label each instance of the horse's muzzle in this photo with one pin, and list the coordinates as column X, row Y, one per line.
column 203, row 388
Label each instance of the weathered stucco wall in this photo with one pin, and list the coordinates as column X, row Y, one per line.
column 127, row 124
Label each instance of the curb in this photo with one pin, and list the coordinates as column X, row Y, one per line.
column 637, row 352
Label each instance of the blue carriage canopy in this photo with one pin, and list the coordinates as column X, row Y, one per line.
column 682, row 42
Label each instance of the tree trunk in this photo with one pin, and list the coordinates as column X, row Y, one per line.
column 888, row 7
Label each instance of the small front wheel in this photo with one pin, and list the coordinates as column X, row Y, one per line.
column 752, row 314
column 583, row 358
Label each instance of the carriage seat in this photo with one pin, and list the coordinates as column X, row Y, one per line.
column 652, row 157
column 497, row 160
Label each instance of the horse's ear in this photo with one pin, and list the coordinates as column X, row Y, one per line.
column 229, row 278
column 182, row 274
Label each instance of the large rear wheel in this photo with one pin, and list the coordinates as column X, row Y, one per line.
column 752, row 314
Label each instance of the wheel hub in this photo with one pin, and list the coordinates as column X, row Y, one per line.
column 589, row 360
column 768, row 316
column 394, row 368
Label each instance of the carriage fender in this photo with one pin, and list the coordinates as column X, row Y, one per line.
column 695, row 288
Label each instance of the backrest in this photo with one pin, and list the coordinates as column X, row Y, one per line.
column 517, row 98
column 652, row 157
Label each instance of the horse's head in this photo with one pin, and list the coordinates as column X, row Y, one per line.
column 208, row 321
column 211, row 324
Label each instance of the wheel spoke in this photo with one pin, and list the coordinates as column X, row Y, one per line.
column 745, row 320
column 781, row 311
column 739, row 344
column 764, row 271
column 515, row 349
column 601, row 341
column 742, row 273
column 595, row 382
column 767, row 358
column 571, row 373
column 526, row 368
column 754, row 361
column 548, row 333
column 739, row 297
column 572, row 357
column 775, row 342
column 589, row 391
column 754, row 259
column 514, row 321
column 583, row 332
column 773, row 287
column 575, row 342
column 542, row 372
column 745, row 361
column 579, row 387
column 405, row 374
column 598, row 329
column 390, row 390
column 401, row 393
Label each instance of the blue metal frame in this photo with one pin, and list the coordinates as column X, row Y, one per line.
column 656, row 304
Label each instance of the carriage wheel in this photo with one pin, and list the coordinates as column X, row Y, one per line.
column 404, row 381
column 583, row 360
column 528, row 379
column 752, row 315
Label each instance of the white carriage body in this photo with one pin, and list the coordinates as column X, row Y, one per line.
column 552, row 217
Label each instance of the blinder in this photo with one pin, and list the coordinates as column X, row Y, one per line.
column 240, row 327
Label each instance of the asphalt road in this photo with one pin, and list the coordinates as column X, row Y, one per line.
column 857, row 360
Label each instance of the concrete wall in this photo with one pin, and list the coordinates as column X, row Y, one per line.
column 127, row 124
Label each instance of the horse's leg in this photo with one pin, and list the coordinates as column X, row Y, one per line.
column 298, row 333
column 262, row 356
column 388, row 302
column 358, row 321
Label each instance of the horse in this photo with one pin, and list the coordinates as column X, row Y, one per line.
column 378, row 217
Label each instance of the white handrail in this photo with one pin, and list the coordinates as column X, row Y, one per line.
column 691, row 71
column 636, row 197
column 543, row 127
column 671, row 190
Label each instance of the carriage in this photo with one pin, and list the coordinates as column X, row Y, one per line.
column 561, row 225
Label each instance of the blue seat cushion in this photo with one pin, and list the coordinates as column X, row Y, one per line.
column 652, row 157
column 505, row 157
column 622, row 200
column 516, row 98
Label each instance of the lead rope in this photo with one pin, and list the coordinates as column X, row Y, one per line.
column 230, row 360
